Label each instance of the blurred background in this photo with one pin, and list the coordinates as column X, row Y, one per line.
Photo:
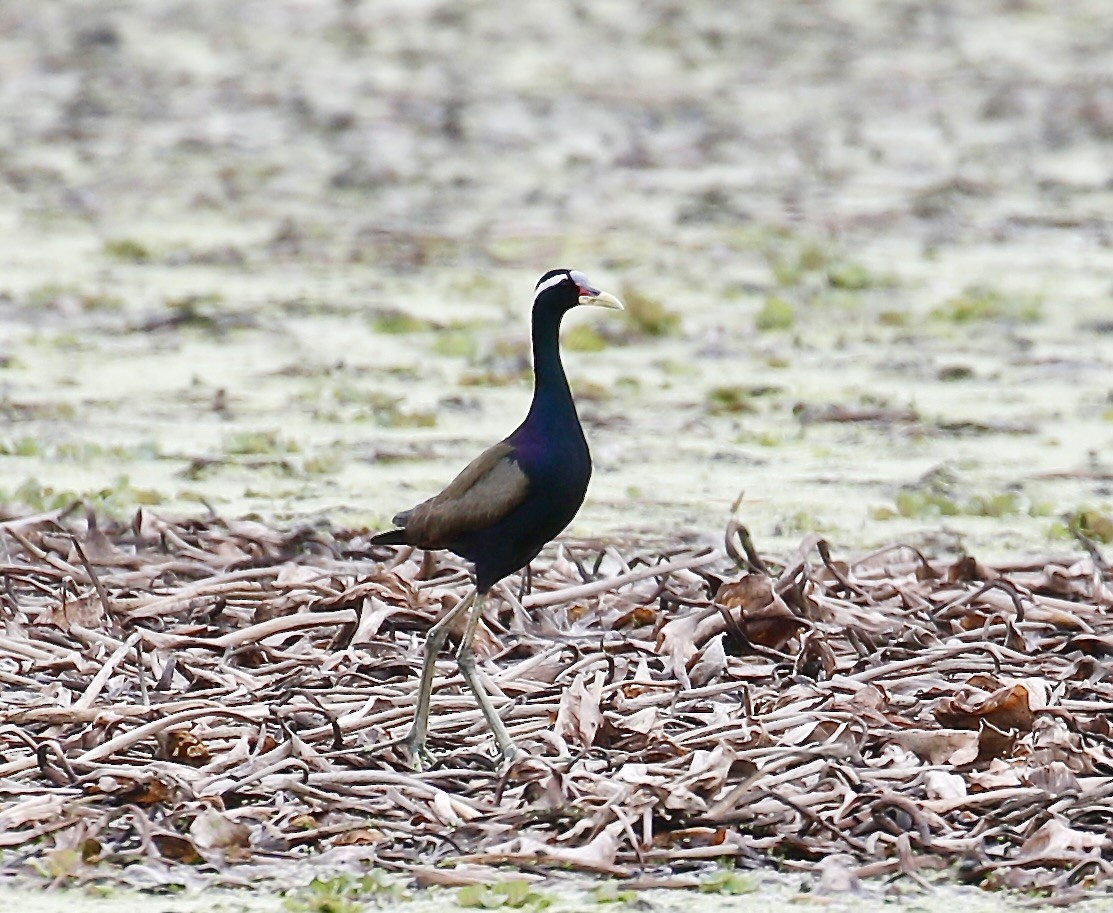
column 276, row 257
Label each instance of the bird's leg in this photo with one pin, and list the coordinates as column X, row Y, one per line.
column 465, row 657
column 527, row 582
column 415, row 739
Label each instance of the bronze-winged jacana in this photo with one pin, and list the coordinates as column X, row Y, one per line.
column 509, row 501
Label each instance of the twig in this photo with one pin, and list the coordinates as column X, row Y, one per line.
column 587, row 590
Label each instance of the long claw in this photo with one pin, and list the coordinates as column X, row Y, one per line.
column 514, row 755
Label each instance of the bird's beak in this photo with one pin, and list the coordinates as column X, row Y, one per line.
column 600, row 299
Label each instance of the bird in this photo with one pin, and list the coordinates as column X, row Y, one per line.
column 509, row 502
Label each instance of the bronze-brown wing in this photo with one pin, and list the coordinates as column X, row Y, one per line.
column 487, row 489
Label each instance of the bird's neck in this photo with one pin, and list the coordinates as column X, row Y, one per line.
column 552, row 399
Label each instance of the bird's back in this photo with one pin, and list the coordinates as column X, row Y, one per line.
column 557, row 486
column 505, row 505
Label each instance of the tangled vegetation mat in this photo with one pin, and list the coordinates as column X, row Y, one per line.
column 206, row 698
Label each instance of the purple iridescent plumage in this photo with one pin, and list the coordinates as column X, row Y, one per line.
column 515, row 497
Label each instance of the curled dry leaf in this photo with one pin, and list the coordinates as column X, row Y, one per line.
column 453, row 811
column 184, row 747
column 995, row 743
column 676, row 639
column 597, row 855
column 360, row 836
column 836, row 876
column 177, row 848
column 663, row 747
column 867, row 702
column 1055, row 842
column 998, row 774
column 638, row 617
column 1055, row 778
column 748, row 605
column 710, row 769
column 98, row 547
column 290, row 575
column 940, row 746
column 761, row 614
column 644, row 721
column 938, row 784
column 708, row 663
column 484, row 642
column 85, row 611
column 816, row 659
column 967, row 569
column 1093, row 645
column 579, row 716
column 216, row 830
column 1004, row 709
column 140, row 791
column 30, row 810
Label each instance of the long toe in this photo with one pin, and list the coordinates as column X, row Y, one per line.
column 512, row 754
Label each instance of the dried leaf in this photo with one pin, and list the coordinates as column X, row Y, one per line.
column 1055, row 778
column 940, row 746
column 145, row 791
column 360, row 836
column 177, row 848
column 297, row 731
column 290, row 575
column 214, row 830
column 638, row 617
column 708, row 663
column 31, row 809
column 763, row 616
column 1055, row 842
column 644, row 721
column 579, row 716
column 84, row 611
column 938, row 784
column 993, row 743
column 837, row 877
column 969, row 569
column 184, row 747
column 1004, row 709
column 598, row 855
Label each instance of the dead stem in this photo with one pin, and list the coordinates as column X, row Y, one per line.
column 896, row 712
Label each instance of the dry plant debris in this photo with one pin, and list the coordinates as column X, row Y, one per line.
column 205, row 699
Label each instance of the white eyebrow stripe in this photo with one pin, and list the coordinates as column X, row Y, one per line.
column 549, row 283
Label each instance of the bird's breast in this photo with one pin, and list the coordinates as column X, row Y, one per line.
column 556, row 469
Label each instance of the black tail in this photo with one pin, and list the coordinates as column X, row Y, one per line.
column 390, row 537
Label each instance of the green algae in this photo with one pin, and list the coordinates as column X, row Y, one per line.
column 647, row 315
column 369, row 304
column 1094, row 524
column 127, row 250
column 980, row 303
column 584, row 338
column 775, row 314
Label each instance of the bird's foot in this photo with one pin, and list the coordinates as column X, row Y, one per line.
column 512, row 754
column 421, row 758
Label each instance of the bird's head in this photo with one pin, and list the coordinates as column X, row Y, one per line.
column 562, row 289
